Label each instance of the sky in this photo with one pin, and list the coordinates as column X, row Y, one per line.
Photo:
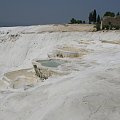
column 33, row 12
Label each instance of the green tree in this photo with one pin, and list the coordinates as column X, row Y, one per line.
column 97, row 26
column 94, row 16
column 110, row 26
column 118, row 14
column 73, row 21
column 98, row 19
column 90, row 17
column 79, row 21
column 111, row 14
column 83, row 22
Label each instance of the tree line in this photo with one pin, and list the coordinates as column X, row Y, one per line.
column 94, row 18
column 74, row 21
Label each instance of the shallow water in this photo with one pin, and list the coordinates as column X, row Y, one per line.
column 51, row 63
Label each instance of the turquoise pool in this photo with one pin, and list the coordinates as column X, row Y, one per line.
column 51, row 63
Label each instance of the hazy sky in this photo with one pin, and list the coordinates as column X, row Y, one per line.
column 29, row 12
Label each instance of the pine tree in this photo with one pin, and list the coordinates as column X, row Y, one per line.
column 118, row 14
column 94, row 16
column 98, row 19
column 90, row 18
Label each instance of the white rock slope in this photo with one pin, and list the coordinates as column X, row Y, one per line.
column 90, row 92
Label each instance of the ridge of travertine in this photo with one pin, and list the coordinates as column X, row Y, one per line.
column 91, row 90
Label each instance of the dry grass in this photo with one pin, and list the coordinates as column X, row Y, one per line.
column 68, row 28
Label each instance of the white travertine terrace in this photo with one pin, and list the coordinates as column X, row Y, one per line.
column 91, row 90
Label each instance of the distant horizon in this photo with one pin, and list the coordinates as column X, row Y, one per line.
column 43, row 12
column 34, row 24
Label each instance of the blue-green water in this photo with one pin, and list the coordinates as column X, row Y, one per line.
column 51, row 63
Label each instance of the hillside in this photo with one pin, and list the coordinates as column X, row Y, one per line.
column 90, row 90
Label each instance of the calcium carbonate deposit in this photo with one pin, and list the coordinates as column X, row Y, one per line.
column 89, row 89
